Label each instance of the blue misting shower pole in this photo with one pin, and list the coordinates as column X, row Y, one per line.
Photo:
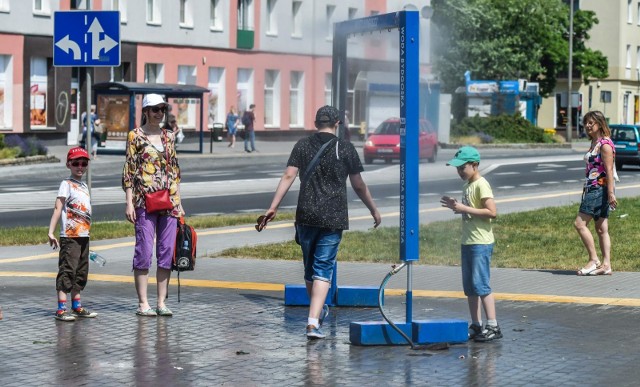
column 408, row 25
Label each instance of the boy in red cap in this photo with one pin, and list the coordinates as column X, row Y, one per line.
column 73, row 206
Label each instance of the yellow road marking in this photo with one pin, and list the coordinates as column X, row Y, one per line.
column 260, row 286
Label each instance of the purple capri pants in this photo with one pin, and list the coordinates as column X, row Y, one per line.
column 146, row 226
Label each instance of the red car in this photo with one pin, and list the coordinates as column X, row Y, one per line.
column 384, row 142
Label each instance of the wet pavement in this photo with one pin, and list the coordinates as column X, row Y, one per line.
column 232, row 328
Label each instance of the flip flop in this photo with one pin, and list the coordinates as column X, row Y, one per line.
column 587, row 270
column 147, row 312
column 601, row 271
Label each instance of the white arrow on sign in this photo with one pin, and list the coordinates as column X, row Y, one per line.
column 66, row 44
column 97, row 45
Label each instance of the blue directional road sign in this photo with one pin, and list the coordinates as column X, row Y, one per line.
column 86, row 38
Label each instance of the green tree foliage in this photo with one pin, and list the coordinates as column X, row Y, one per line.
column 510, row 39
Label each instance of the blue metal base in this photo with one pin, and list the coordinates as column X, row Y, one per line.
column 348, row 296
column 420, row 332
column 378, row 333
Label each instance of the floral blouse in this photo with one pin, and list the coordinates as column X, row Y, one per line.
column 145, row 169
column 596, row 174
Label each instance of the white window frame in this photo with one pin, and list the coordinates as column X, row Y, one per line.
column 187, row 75
column 154, row 14
column 38, row 76
column 245, row 89
column 629, row 12
column 158, row 70
column 186, row 14
column 272, row 98
column 42, row 7
column 296, row 19
column 638, row 62
column 216, row 86
column 627, row 70
column 638, row 14
column 121, row 6
column 245, row 15
column 5, row 6
column 330, row 14
column 327, row 89
column 296, row 105
column 215, row 16
column 6, row 87
column 272, row 18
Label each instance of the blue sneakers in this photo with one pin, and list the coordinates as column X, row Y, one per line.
column 323, row 314
column 314, row 333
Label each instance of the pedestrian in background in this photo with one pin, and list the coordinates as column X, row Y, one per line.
column 232, row 126
column 478, row 209
column 73, row 208
column 171, row 125
column 322, row 212
column 95, row 136
column 598, row 195
column 248, row 120
column 151, row 165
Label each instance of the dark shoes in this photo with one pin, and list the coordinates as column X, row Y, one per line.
column 489, row 333
column 64, row 315
column 474, row 331
column 84, row 313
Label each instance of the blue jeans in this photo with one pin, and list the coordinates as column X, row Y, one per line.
column 250, row 136
column 476, row 262
column 319, row 251
column 595, row 202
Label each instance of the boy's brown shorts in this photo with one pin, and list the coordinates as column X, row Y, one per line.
column 73, row 264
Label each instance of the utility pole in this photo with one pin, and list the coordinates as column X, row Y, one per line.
column 570, row 75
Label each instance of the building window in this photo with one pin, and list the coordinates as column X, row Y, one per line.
column 331, row 9
column 353, row 13
column 41, row 7
column 629, row 12
column 121, row 73
column 272, row 18
column 216, row 95
column 186, row 75
column 6, row 91
column 4, row 7
column 296, row 15
column 38, row 103
column 327, row 89
column 271, row 98
column 245, row 14
column 153, row 73
column 215, row 17
column 245, row 89
column 120, row 5
column 296, row 98
column 153, row 12
column 627, row 71
column 186, row 13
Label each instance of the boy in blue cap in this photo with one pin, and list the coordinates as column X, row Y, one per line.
column 477, row 209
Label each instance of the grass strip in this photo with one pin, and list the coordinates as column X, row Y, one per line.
column 537, row 239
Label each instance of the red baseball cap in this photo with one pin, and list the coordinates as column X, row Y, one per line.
column 77, row 153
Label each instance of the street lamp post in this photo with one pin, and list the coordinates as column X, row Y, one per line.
column 570, row 74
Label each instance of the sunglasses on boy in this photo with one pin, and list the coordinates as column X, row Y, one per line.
column 79, row 163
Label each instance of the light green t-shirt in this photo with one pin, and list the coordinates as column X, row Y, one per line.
column 476, row 230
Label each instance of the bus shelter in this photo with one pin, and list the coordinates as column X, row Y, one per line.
column 119, row 107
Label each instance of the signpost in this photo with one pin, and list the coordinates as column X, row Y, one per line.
column 86, row 39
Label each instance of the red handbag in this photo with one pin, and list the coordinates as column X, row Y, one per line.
column 160, row 200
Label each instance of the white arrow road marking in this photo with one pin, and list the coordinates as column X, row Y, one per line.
column 66, row 44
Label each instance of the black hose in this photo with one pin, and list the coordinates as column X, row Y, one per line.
column 386, row 279
column 436, row 346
